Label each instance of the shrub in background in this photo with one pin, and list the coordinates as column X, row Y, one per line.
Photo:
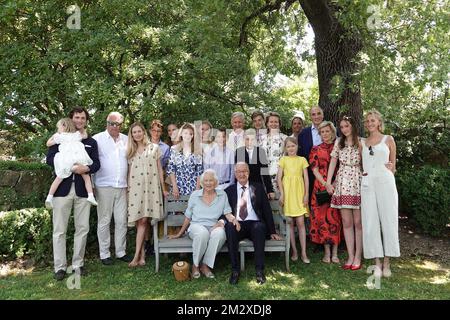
column 424, row 195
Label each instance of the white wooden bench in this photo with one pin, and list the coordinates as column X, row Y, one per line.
column 184, row 243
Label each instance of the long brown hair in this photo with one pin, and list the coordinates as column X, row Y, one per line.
column 354, row 133
column 132, row 145
column 179, row 146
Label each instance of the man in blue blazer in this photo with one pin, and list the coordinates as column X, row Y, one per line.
column 252, row 218
column 72, row 193
column 308, row 138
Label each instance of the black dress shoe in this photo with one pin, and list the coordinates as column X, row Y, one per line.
column 60, row 274
column 107, row 262
column 234, row 278
column 81, row 271
column 125, row 258
column 260, row 277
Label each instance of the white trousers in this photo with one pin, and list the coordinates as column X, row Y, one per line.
column 379, row 216
column 62, row 208
column 206, row 244
column 111, row 201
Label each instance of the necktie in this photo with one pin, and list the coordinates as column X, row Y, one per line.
column 243, row 205
column 235, row 142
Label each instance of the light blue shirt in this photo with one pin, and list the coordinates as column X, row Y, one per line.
column 207, row 215
column 315, row 136
column 221, row 161
column 165, row 154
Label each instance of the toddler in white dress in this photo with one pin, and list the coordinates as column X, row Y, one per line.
column 71, row 152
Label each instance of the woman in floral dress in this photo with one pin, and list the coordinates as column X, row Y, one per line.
column 346, row 189
column 326, row 222
column 185, row 165
column 273, row 143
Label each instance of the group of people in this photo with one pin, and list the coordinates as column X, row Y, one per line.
column 230, row 178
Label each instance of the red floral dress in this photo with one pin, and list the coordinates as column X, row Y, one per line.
column 326, row 222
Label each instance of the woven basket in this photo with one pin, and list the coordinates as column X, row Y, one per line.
column 181, row 271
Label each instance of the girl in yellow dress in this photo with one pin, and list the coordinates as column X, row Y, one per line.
column 294, row 185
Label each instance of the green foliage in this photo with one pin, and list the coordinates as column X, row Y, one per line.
column 178, row 61
column 28, row 232
column 20, row 166
column 424, row 196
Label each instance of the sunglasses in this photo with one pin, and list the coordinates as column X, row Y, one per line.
column 114, row 124
column 346, row 118
column 371, row 150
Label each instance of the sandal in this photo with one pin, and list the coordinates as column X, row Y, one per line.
column 207, row 273
column 326, row 260
column 195, row 272
column 335, row 259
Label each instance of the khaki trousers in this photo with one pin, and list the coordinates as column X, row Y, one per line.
column 62, row 208
column 112, row 201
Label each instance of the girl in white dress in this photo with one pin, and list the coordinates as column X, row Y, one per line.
column 71, row 152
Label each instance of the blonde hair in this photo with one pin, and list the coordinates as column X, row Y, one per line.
column 377, row 115
column 132, row 145
column 330, row 124
column 67, row 125
column 289, row 139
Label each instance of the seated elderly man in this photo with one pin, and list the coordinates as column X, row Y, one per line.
column 205, row 217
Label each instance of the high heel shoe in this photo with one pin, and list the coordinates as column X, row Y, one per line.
column 347, row 266
column 355, row 267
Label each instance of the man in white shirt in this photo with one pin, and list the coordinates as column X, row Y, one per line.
column 111, row 189
column 236, row 137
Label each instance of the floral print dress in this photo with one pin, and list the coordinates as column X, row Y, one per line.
column 347, row 186
column 186, row 170
column 326, row 222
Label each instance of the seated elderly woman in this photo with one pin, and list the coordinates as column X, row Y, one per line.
column 205, row 216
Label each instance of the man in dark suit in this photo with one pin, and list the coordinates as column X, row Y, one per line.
column 72, row 193
column 256, row 158
column 308, row 138
column 252, row 218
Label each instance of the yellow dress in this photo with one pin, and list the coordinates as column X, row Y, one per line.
column 293, row 185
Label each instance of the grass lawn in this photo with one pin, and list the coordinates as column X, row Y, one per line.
column 413, row 278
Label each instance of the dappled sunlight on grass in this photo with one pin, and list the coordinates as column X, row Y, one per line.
column 429, row 265
column 412, row 279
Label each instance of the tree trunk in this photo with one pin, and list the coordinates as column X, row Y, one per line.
column 336, row 51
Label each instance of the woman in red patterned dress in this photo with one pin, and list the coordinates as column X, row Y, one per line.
column 325, row 221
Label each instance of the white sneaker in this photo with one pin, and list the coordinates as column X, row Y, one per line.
column 92, row 201
column 387, row 272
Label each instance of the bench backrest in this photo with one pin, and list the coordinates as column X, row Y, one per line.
column 172, row 206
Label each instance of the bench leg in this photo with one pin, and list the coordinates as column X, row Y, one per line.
column 156, row 261
column 286, row 257
column 242, row 260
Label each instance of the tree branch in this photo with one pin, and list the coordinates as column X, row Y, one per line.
column 269, row 7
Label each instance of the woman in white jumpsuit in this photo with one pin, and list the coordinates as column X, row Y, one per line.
column 379, row 198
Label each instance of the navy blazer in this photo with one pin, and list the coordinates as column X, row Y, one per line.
column 305, row 143
column 80, row 189
column 260, row 204
column 259, row 166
